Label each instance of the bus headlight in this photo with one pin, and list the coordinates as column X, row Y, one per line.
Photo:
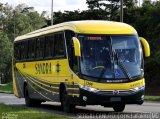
column 138, row 88
column 88, row 88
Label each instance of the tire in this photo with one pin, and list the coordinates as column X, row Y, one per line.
column 65, row 102
column 30, row 102
column 119, row 107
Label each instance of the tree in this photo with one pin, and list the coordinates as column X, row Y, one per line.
column 5, row 56
column 26, row 20
column 110, row 7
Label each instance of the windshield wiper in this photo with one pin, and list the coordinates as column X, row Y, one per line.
column 121, row 65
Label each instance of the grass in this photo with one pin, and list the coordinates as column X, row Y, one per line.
column 17, row 112
column 152, row 98
column 6, row 88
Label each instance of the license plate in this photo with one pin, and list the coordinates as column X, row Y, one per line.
column 115, row 99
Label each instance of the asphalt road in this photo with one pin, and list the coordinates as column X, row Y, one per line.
column 147, row 110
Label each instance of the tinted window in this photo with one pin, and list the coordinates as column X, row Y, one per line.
column 20, row 50
column 49, row 49
column 31, row 49
column 59, row 45
column 24, row 48
column 17, row 50
column 40, row 48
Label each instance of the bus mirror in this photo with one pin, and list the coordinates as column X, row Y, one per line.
column 146, row 46
column 76, row 45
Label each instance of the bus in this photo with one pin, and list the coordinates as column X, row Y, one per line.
column 79, row 63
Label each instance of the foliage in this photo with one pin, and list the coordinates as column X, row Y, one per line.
column 5, row 56
column 152, row 98
column 25, row 19
column 6, row 88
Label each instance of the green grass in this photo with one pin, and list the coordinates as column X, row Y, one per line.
column 18, row 112
column 6, row 88
column 152, row 98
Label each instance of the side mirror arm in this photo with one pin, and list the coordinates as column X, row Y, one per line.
column 77, row 48
column 146, row 46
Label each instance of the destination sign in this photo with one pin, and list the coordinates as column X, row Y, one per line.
column 95, row 38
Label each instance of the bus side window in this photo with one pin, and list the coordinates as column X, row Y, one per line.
column 59, row 50
column 22, row 50
column 24, row 47
column 31, row 49
column 40, row 48
column 17, row 51
column 49, row 49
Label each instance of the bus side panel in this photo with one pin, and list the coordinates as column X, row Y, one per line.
column 36, row 91
column 44, row 78
column 17, row 83
column 15, row 90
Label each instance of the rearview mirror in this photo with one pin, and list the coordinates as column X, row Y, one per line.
column 77, row 49
column 146, row 46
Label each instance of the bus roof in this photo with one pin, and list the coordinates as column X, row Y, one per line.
column 84, row 27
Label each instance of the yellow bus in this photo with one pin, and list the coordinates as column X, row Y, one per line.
column 81, row 63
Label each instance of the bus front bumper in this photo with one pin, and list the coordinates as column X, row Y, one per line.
column 109, row 98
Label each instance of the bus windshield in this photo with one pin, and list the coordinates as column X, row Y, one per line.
column 117, row 57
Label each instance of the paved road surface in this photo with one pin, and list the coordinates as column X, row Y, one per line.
column 150, row 108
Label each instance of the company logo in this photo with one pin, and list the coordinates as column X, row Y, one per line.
column 115, row 92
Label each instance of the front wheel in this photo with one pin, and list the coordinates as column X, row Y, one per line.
column 119, row 107
column 65, row 102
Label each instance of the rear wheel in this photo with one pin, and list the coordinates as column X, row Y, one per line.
column 66, row 103
column 30, row 102
column 119, row 107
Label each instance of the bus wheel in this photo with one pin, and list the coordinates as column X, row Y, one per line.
column 30, row 102
column 119, row 107
column 65, row 102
